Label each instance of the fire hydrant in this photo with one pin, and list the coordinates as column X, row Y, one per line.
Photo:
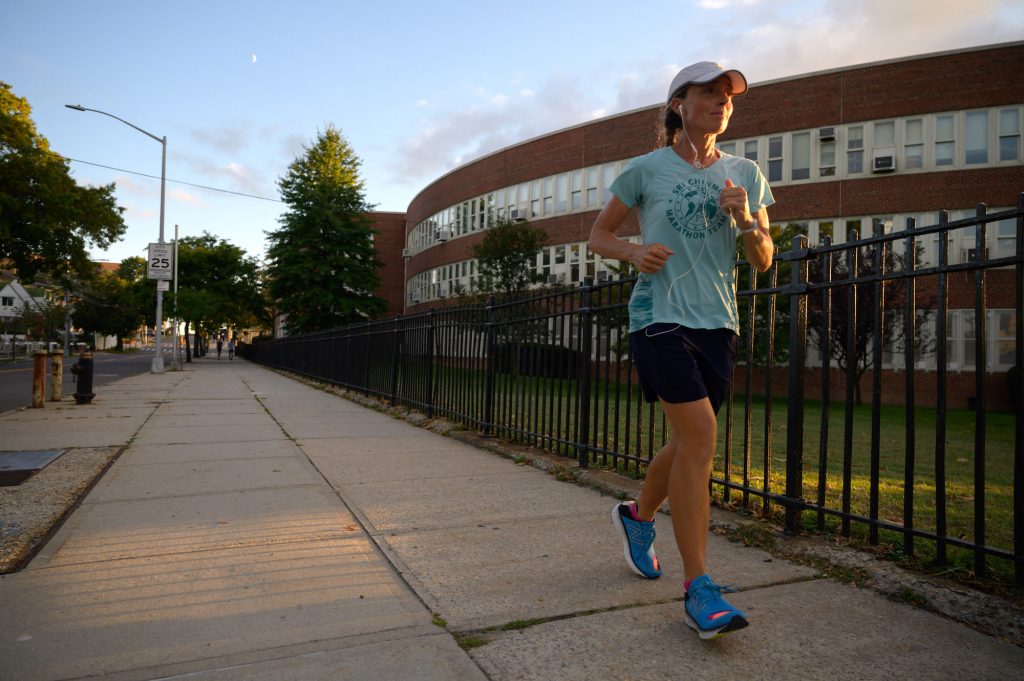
column 82, row 369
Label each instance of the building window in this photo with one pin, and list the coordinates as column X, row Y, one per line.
column 607, row 177
column 549, row 195
column 727, row 148
column 944, row 145
column 499, row 205
column 913, row 144
column 885, row 134
column 1005, row 337
column 827, row 158
column 592, row 188
column 824, row 230
column 855, row 150
column 750, row 150
column 577, row 190
column 535, row 199
column 801, row 167
column 1005, row 233
column 561, row 193
column 976, row 137
column 7, row 301
column 1009, row 135
column 774, row 159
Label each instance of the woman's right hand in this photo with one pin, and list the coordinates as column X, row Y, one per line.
column 650, row 258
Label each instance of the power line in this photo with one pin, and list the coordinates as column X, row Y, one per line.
column 157, row 177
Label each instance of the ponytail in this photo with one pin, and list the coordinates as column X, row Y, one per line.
column 672, row 123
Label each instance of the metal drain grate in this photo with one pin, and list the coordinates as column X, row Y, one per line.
column 17, row 467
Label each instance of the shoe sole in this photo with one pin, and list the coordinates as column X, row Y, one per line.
column 617, row 523
column 735, row 624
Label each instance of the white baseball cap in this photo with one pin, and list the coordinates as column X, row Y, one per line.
column 705, row 72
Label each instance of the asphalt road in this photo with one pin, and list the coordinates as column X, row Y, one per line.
column 16, row 377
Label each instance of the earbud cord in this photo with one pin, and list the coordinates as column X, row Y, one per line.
column 704, row 242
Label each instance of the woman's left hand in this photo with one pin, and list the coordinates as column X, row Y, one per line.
column 734, row 200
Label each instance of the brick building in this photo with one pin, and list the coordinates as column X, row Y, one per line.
column 856, row 148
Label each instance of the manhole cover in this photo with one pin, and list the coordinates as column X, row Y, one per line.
column 17, row 467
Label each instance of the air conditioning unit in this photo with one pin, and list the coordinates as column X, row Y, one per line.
column 515, row 214
column 884, row 163
column 414, row 296
column 602, row 277
column 553, row 279
column 406, row 252
column 442, row 289
column 971, row 255
column 459, row 288
column 443, row 234
column 827, row 134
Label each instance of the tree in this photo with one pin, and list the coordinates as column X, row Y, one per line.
column 217, row 284
column 115, row 303
column 322, row 268
column 47, row 221
column 894, row 297
column 505, row 254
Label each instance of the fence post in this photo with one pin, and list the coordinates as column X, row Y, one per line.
column 431, row 321
column 586, row 346
column 795, row 412
column 396, row 360
column 1017, row 388
column 489, row 389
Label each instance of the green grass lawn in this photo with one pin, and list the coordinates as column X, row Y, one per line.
column 620, row 425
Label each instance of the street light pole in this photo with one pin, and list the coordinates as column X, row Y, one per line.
column 157, row 366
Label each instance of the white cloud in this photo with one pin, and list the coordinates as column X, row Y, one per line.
column 229, row 139
column 186, row 197
column 773, row 40
column 239, row 177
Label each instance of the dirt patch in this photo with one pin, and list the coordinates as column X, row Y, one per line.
column 31, row 512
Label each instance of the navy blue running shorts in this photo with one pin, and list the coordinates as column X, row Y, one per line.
column 678, row 364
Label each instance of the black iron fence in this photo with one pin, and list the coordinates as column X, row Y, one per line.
column 909, row 470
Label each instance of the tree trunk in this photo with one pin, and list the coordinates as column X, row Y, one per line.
column 188, row 349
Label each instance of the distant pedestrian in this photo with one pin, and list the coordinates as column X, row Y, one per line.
column 220, row 346
column 231, row 349
column 693, row 202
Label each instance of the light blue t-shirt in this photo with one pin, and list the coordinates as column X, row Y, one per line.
column 669, row 194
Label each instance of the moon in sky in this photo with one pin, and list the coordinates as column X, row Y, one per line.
column 253, row 58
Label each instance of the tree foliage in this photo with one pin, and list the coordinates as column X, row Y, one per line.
column 116, row 303
column 895, row 331
column 47, row 221
column 505, row 254
column 322, row 269
column 218, row 285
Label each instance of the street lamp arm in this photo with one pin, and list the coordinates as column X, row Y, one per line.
column 79, row 107
column 158, row 360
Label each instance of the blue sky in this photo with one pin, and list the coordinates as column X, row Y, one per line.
column 417, row 88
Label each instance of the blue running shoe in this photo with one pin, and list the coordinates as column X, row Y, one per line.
column 637, row 541
column 709, row 613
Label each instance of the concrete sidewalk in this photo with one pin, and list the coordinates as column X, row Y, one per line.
column 259, row 528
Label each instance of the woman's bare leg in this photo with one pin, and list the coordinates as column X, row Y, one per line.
column 681, row 471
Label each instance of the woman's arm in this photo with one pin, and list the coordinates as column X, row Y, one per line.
column 648, row 258
column 758, row 247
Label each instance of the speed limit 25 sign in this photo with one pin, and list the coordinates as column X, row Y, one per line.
column 161, row 262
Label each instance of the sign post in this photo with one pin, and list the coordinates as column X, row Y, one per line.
column 160, row 267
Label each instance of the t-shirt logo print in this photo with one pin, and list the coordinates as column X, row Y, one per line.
column 685, row 214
